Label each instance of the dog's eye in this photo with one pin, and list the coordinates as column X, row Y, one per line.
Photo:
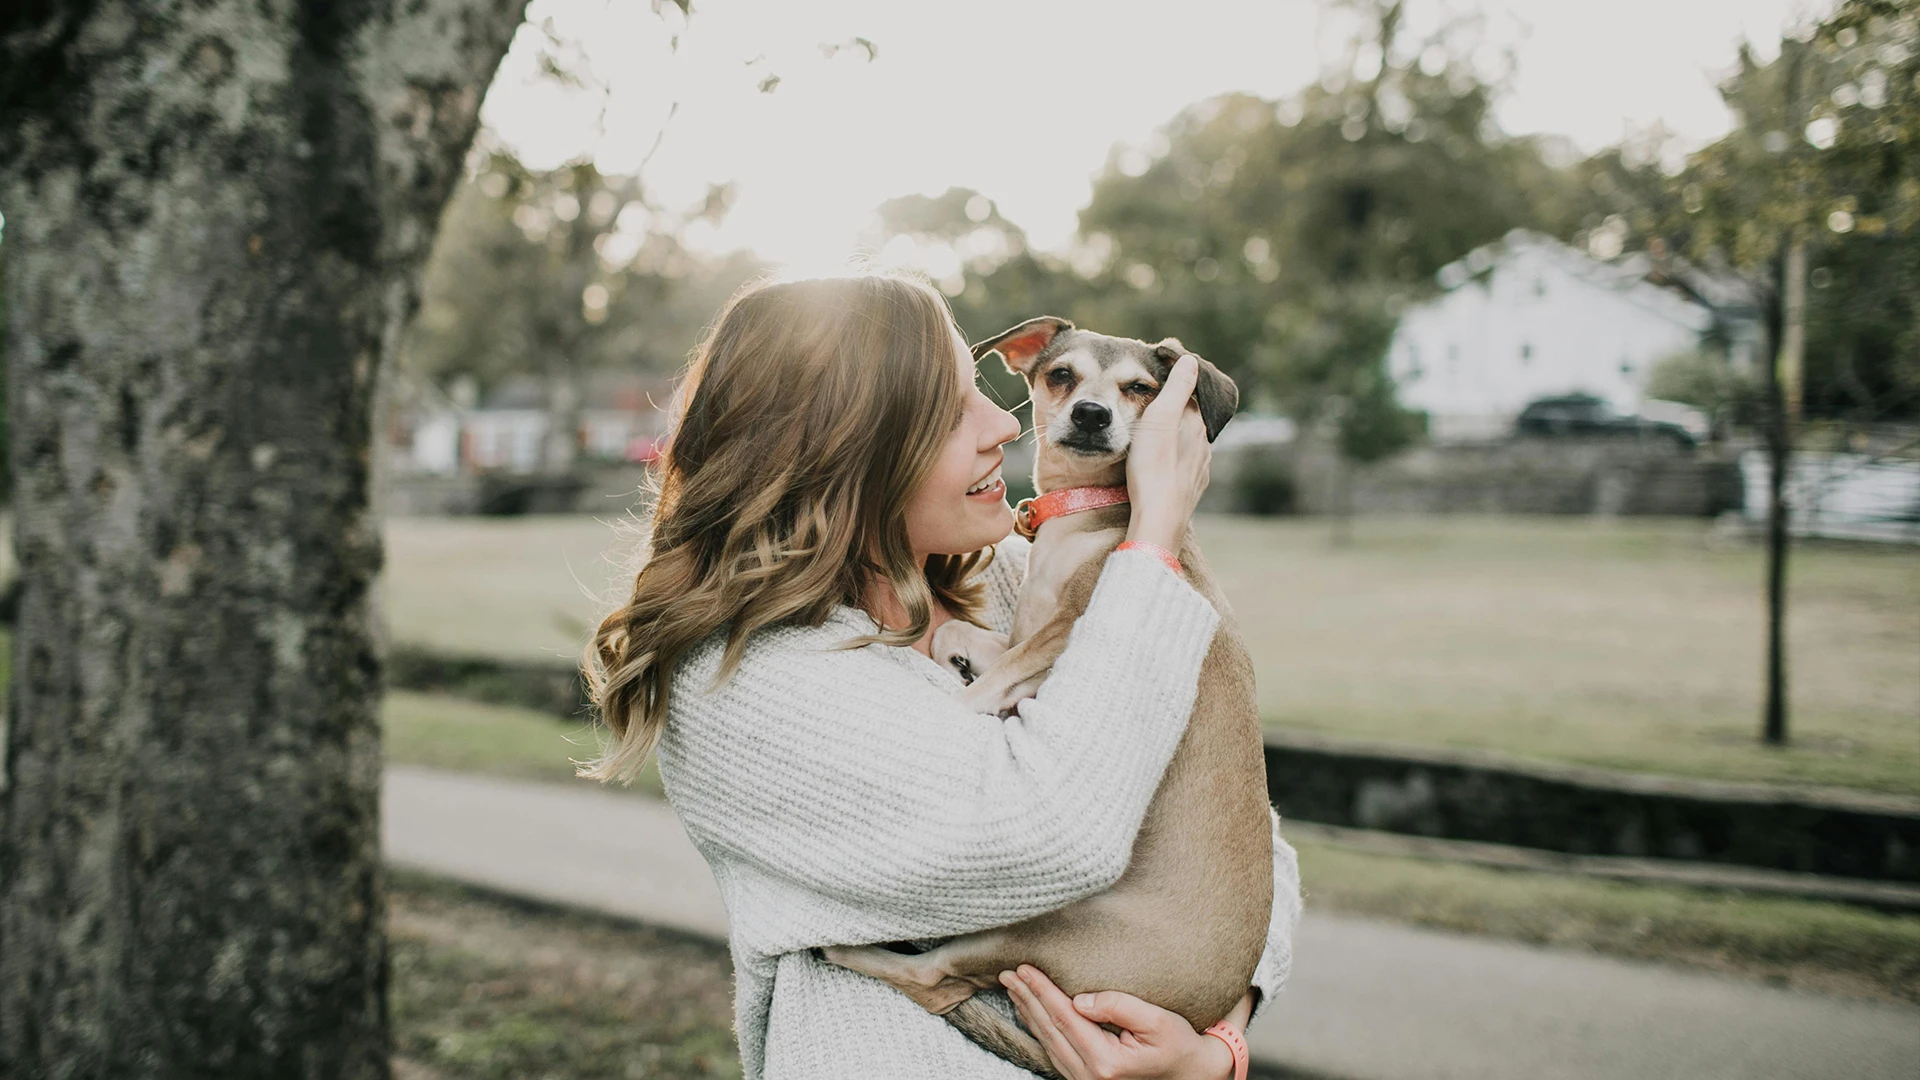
column 1139, row 388
column 1060, row 377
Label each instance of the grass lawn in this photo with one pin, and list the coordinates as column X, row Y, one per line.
column 1819, row 945
column 500, row 740
column 1825, row 947
column 485, row 990
column 1634, row 645
column 1630, row 644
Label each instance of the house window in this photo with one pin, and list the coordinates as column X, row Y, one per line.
column 1526, row 353
column 1626, row 366
column 1414, row 370
column 1539, row 286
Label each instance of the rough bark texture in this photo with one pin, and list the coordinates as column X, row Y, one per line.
column 215, row 215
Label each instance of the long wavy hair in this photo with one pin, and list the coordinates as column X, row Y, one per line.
column 806, row 420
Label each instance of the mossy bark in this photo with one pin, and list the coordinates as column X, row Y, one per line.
column 215, row 216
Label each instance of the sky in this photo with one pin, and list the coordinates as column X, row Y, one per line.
column 1024, row 99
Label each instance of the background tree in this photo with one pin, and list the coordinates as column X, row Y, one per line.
column 559, row 273
column 1814, row 199
column 1284, row 238
column 984, row 262
column 215, row 217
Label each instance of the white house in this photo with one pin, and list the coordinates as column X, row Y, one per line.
column 1528, row 317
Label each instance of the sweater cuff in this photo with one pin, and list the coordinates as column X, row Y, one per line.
column 1141, row 607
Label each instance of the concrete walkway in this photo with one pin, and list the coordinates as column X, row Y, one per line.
column 1368, row 1000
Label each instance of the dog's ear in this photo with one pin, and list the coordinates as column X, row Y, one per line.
column 1216, row 394
column 1020, row 345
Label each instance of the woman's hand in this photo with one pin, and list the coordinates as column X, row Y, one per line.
column 1167, row 462
column 1153, row 1044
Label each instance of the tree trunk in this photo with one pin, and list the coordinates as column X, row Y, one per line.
column 1793, row 337
column 1779, row 454
column 215, row 217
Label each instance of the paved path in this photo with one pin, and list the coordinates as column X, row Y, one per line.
column 1368, row 1000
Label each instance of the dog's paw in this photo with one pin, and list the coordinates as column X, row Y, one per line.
column 953, row 645
column 964, row 667
column 968, row 649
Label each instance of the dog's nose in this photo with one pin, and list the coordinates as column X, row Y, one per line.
column 1091, row 416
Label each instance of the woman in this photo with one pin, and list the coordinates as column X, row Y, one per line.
column 830, row 495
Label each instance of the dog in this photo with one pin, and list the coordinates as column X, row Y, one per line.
column 1186, row 923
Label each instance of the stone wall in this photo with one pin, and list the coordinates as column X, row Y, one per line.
column 1507, row 476
column 1464, row 795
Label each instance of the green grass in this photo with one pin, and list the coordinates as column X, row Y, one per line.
column 465, row 736
column 1818, row 946
column 487, row 990
column 1633, row 645
column 1630, row 644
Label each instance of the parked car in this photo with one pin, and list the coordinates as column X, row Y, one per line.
column 1584, row 414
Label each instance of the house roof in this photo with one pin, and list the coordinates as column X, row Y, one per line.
column 1669, row 286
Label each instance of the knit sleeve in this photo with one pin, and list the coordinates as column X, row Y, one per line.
column 1277, row 961
column 862, row 803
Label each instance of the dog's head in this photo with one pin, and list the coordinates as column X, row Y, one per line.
column 1088, row 389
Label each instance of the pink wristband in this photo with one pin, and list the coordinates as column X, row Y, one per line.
column 1156, row 551
column 1236, row 1042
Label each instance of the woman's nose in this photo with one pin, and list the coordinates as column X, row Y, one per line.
column 1006, row 427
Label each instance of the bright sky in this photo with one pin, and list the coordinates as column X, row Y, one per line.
column 1023, row 99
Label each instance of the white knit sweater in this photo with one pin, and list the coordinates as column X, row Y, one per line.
column 842, row 796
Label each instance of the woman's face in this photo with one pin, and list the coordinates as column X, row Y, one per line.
column 962, row 504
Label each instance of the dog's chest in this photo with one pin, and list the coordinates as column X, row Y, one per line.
column 1058, row 552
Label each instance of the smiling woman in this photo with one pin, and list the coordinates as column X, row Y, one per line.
column 786, row 469
column 831, row 492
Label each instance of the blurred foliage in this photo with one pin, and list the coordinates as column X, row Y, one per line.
column 1282, row 239
column 1264, row 485
column 1826, row 147
column 538, row 270
column 1707, row 381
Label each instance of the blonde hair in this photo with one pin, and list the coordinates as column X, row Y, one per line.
column 806, row 420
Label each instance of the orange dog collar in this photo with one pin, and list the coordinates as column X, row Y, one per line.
column 1037, row 511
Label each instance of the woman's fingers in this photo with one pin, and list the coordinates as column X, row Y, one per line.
column 1167, row 464
column 1175, row 391
column 1120, row 1010
column 1065, row 1058
column 1091, row 1043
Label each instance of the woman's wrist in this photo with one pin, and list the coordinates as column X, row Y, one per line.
column 1154, row 529
column 1217, row 1059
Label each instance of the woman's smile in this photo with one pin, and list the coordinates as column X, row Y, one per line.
column 990, row 487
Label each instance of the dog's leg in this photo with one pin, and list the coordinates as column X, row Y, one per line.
column 967, row 648
column 1019, row 671
column 925, row 977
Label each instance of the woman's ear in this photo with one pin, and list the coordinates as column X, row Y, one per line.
column 1020, row 345
column 1217, row 395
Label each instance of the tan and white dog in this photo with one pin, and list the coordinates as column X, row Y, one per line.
column 1185, row 925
